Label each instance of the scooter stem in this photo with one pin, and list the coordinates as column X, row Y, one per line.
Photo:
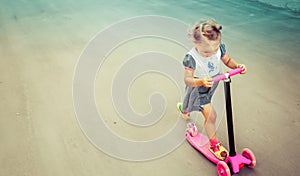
column 229, row 117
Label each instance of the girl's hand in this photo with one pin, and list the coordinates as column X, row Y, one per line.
column 243, row 67
column 207, row 82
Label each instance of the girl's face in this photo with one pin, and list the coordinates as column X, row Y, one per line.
column 206, row 37
column 206, row 52
column 207, row 47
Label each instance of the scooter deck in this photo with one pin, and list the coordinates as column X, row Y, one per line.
column 201, row 143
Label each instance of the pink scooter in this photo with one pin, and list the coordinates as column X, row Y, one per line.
column 234, row 162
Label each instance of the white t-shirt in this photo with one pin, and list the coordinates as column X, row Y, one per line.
column 204, row 66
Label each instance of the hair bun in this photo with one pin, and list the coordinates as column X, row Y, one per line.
column 217, row 27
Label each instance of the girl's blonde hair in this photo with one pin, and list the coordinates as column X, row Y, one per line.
column 207, row 28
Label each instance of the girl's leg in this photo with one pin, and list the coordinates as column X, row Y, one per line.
column 210, row 116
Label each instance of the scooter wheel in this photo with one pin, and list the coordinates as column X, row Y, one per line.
column 223, row 169
column 247, row 153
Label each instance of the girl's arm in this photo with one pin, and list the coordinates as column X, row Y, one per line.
column 195, row 82
column 231, row 63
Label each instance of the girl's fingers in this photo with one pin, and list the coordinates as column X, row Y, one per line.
column 210, row 83
column 243, row 67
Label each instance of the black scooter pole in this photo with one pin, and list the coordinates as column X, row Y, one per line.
column 229, row 117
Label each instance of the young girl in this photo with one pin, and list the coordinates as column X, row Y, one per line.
column 201, row 63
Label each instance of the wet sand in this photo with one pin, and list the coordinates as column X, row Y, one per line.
column 40, row 47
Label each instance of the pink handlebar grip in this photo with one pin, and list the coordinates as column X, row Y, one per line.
column 226, row 75
column 235, row 71
column 219, row 78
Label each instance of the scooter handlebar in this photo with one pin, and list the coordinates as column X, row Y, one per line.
column 227, row 75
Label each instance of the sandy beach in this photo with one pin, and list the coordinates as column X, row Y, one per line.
column 40, row 47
